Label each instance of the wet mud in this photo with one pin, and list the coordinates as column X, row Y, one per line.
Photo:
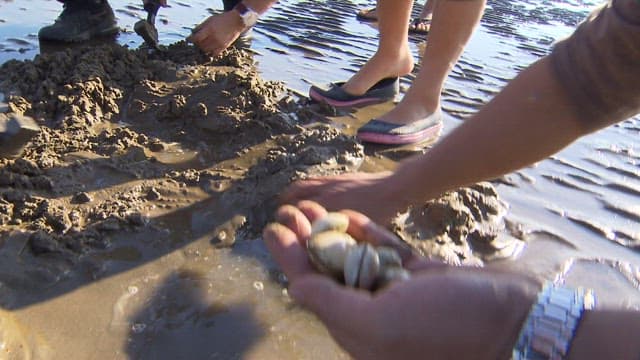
column 166, row 148
column 128, row 136
column 140, row 203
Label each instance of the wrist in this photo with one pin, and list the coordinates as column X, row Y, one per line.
column 517, row 304
column 395, row 190
column 406, row 186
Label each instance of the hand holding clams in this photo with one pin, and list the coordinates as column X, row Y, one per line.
column 361, row 265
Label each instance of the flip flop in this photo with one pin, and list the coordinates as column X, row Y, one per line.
column 413, row 26
column 365, row 15
column 382, row 132
column 334, row 95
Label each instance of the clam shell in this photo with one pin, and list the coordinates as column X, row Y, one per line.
column 361, row 266
column 333, row 221
column 389, row 257
column 328, row 250
column 391, row 274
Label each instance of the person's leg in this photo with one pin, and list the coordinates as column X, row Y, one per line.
column 81, row 20
column 452, row 26
column 393, row 57
column 427, row 9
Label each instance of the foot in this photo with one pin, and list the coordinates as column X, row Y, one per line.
column 420, row 26
column 368, row 14
column 377, row 68
column 409, row 111
column 81, row 21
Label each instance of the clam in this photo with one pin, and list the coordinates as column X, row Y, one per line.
column 361, row 266
column 328, row 250
column 389, row 257
column 332, row 221
column 334, row 252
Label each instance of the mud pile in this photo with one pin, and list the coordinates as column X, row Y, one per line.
column 129, row 136
column 463, row 227
column 134, row 142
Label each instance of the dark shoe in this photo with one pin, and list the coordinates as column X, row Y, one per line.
column 381, row 132
column 419, row 26
column 367, row 15
column 383, row 90
column 80, row 21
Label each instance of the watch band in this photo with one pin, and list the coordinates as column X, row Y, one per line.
column 552, row 322
column 241, row 8
column 249, row 16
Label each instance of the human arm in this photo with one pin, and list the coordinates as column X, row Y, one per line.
column 527, row 121
column 219, row 31
column 537, row 114
column 442, row 311
column 603, row 331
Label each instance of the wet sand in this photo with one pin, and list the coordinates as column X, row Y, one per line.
column 131, row 226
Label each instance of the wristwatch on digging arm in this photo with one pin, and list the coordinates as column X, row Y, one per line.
column 249, row 16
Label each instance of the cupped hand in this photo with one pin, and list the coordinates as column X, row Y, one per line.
column 441, row 312
column 368, row 193
column 217, row 33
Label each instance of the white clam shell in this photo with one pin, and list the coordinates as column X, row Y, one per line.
column 361, row 266
column 333, row 221
column 389, row 257
column 328, row 250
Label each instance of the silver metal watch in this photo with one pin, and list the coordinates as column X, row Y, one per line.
column 249, row 16
column 552, row 322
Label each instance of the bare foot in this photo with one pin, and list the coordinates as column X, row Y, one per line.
column 368, row 14
column 410, row 110
column 420, row 26
column 379, row 67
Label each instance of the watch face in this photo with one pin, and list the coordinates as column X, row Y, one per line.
column 250, row 18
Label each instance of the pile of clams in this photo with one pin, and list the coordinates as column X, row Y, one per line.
column 361, row 265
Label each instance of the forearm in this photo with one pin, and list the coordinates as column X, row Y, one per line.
column 607, row 334
column 528, row 121
column 589, row 82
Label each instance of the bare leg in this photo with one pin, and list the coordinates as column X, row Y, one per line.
column 452, row 26
column 393, row 57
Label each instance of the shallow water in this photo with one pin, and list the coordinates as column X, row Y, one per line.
column 198, row 300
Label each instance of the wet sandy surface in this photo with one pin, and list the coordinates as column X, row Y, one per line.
column 140, row 205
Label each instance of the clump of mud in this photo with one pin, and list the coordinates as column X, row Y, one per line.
column 130, row 137
column 463, row 227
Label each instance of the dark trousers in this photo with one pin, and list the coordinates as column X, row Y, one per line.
column 229, row 4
